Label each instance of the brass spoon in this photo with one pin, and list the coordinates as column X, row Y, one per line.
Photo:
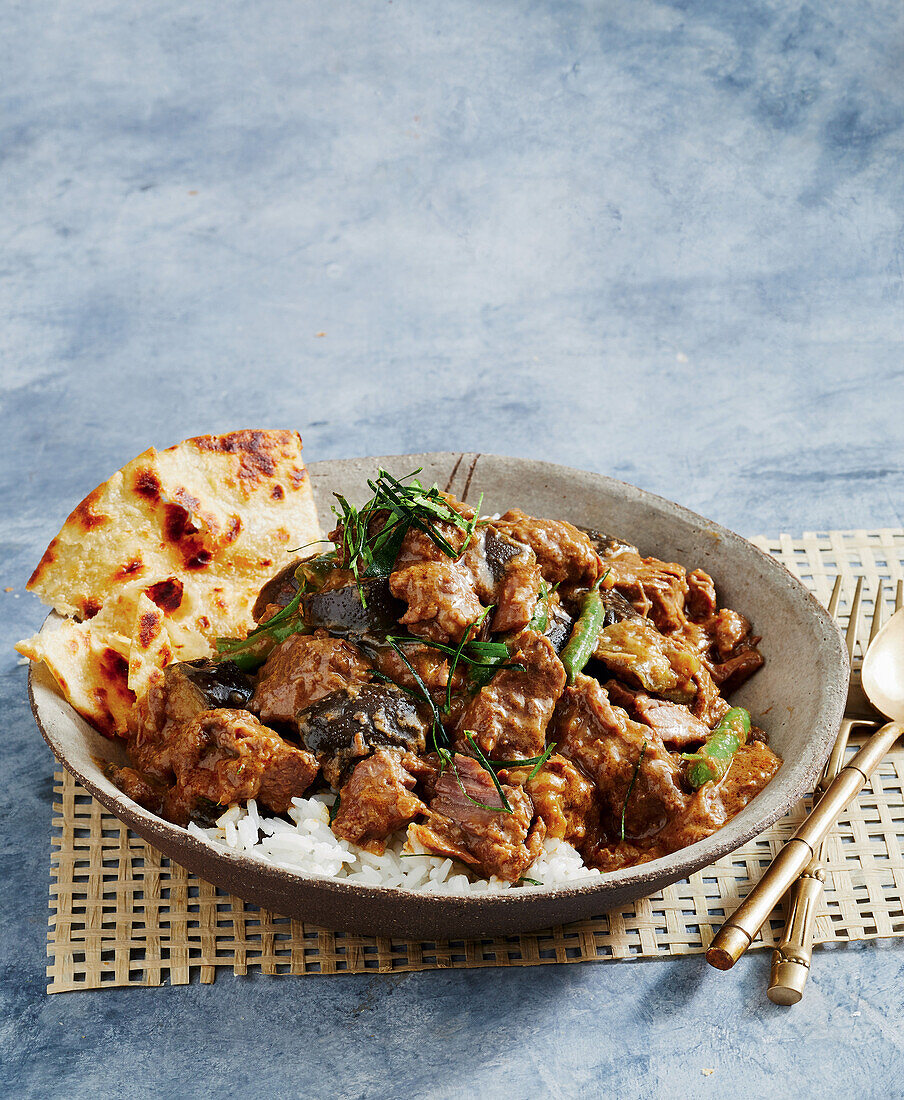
column 882, row 676
column 883, row 669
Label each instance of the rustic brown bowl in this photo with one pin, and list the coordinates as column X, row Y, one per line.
column 798, row 698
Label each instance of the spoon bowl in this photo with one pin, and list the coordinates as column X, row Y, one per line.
column 882, row 674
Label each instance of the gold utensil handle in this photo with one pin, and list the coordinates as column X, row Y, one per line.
column 736, row 934
column 791, row 959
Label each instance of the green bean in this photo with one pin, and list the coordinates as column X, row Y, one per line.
column 585, row 632
column 251, row 652
column 713, row 759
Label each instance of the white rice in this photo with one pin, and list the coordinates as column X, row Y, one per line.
column 309, row 846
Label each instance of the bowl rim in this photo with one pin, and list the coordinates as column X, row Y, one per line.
column 671, row 867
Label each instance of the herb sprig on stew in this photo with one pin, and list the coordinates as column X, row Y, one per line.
column 369, row 549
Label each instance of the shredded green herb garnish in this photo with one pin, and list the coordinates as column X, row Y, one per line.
column 298, row 549
column 484, row 659
column 224, row 645
column 437, row 730
column 485, row 764
column 539, row 621
column 532, row 881
column 537, row 761
column 334, row 809
column 354, row 524
column 624, row 808
column 448, row 760
column 402, row 507
column 453, row 664
column 472, row 630
column 546, row 755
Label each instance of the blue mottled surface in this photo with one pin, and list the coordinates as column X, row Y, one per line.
column 662, row 241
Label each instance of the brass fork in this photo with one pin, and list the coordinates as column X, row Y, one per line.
column 791, row 959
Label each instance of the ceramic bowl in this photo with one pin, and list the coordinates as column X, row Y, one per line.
column 798, row 697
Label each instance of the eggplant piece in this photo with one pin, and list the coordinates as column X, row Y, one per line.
column 617, row 607
column 607, row 546
column 499, row 549
column 194, row 686
column 204, row 812
column 558, row 629
column 341, row 612
column 350, row 723
column 561, row 623
column 279, row 590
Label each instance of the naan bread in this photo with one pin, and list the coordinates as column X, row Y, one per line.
column 151, row 649
column 194, row 532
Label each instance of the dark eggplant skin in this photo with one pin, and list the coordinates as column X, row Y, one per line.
column 341, row 612
column 499, row 550
column 558, row 629
column 610, row 546
column 617, row 607
column 607, row 546
column 350, row 723
column 193, row 686
column 279, row 589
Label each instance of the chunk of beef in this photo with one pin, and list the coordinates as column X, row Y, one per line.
column 606, row 855
column 303, row 669
column 727, row 629
column 563, row 797
column 723, row 641
column 564, row 554
column 446, row 595
column 752, row 766
column 656, row 588
column 730, row 674
column 508, row 717
column 143, row 789
column 431, row 666
column 676, row 725
column 505, row 574
column 701, row 595
column 186, row 689
column 608, row 746
column 418, row 546
column 350, row 723
column 496, row 842
column 226, row 756
column 638, row 653
column 708, row 705
column 621, row 696
column 376, row 800
column 442, row 602
column 516, row 595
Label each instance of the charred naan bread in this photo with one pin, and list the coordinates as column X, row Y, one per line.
column 163, row 558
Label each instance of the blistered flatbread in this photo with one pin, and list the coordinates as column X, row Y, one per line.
column 90, row 663
column 194, row 532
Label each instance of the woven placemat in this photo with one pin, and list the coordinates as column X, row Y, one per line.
column 123, row 915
